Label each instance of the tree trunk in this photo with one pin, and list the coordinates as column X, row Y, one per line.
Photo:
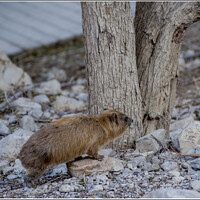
column 111, row 65
column 159, row 31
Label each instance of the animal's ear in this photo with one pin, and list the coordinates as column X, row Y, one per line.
column 114, row 116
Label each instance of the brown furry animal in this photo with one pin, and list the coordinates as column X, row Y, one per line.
column 68, row 138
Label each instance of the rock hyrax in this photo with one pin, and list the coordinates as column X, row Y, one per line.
column 67, row 138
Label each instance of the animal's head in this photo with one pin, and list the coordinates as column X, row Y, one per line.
column 116, row 121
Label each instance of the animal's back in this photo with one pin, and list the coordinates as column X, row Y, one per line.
column 60, row 141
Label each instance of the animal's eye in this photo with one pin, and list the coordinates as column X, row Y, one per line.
column 126, row 119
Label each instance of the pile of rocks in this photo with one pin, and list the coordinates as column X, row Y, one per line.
column 152, row 170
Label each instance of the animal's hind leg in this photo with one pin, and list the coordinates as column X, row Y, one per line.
column 32, row 176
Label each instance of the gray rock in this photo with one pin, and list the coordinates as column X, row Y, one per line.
column 83, row 97
column 181, row 124
column 101, row 178
column 107, row 152
column 12, row 119
column 195, row 164
column 41, row 98
column 4, row 130
column 52, row 87
column 190, row 137
column 78, row 89
column 58, row 74
column 10, row 146
column 196, row 185
column 169, row 166
column 151, row 167
column 63, row 103
column 25, row 105
column 96, row 188
column 3, row 164
column 28, row 123
column 172, row 193
column 12, row 176
column 148, row 143
column 59, row 169
column 174, row 173
column 11, row 75
column 66, row 188
column 174, row 135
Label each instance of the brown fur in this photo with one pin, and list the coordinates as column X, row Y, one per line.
column 68, row 138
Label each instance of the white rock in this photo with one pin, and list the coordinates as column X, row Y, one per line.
column 174, row 173
column 58, row 74
column 196, row 185
column 190, row 137
column 11, row 75
column 172, row 193
column 47, row 114
column 66, row 188
column 83, row 97
column 28, row 123
column 107, row 152
column 78, row 88
column 25, row 105
column 96, row 188
column 101, row 178
column 11, row 145
column 7, row 169
column 3, row 164
column 181, row 124
column 148, row 143
column 41, row 98
column 4, row 129
column 12, row 176
column 18, row 167
column 59, row 169
column 63, row 103
column 81, row 81
column 178, row 179
column 52, row 87
column 169, row 165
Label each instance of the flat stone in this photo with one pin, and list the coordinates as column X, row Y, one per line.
column 88, row 166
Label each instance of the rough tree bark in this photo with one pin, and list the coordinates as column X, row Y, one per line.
column 159, row 31
column 111, row 65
